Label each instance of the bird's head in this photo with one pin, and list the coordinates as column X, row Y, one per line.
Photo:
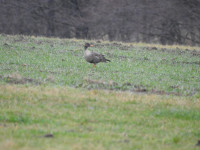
column 88, row 45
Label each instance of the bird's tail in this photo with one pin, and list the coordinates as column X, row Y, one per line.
column 107, row 60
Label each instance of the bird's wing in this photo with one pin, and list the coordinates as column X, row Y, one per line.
column 98, row 57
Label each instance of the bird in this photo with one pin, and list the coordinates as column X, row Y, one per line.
column 93, row 57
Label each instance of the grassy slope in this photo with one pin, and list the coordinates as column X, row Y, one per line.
column 81, row 119
column 134, row 67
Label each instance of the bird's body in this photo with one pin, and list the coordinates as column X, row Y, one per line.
column 93, row 57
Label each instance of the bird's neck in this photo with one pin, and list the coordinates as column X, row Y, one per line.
column 86, row 48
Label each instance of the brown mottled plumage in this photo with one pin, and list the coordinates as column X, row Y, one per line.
column 93, row 57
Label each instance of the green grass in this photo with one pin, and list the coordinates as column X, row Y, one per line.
column 37, row 95
column 95, row 119
column 133, row 67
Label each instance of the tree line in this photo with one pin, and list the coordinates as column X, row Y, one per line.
column 151, row 21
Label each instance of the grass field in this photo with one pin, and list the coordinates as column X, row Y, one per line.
column 140, row 68
column 148, row 97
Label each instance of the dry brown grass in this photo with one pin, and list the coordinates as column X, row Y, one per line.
column 103, row 95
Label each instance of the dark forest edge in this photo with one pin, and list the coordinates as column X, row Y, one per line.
column 158, row 21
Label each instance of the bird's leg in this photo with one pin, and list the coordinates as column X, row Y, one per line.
column 94, row 65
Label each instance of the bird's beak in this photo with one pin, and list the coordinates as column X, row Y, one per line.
column 91, row 45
